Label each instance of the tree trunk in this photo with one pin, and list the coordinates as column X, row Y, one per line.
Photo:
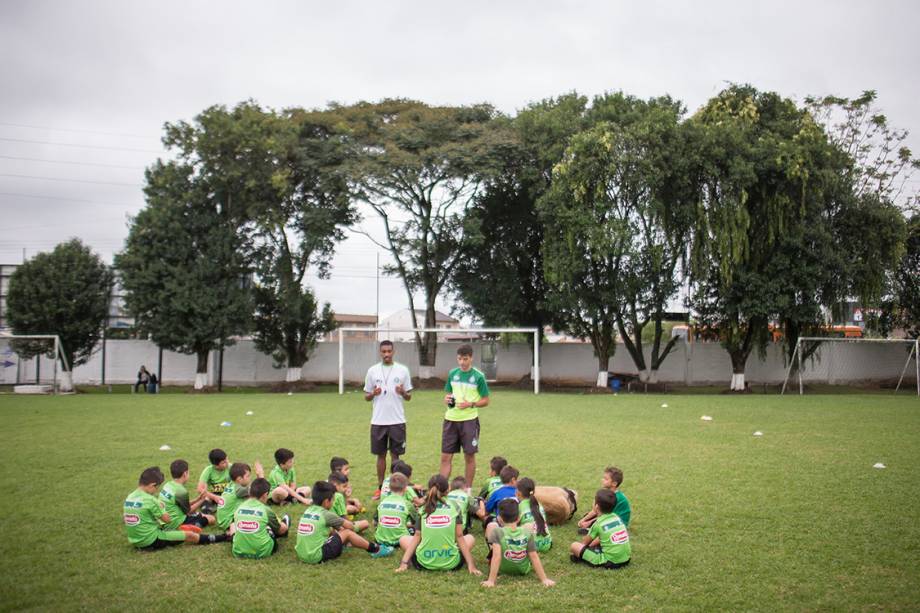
column 653, row 376
column 66, row 381
column 739, row 359
column 294, row 374
column 201, row 373
column 428, row 349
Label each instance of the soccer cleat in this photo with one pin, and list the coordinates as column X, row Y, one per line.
column 382, row 552
column 376, row 495
column 574, row 558
column 286, row 519
column 190, row 528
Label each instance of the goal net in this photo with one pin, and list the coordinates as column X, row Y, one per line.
column 819, row 362
column 498, row 360
column 32, row 364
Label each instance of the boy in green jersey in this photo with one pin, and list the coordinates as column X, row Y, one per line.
column 214, row 478
column 440, row 543
column 612, row 479
column 411, row 493
column 182, row 512
column 394, row 515
column 283, row 480
column 144, row 517
column 607, row 543
column 256, row 528
column 467, row 392
column 494, row 482
column 322, row 535
column 469, row 506
column 533, row 516
column 236, row 492
column 512, row 550
column 353, row 506
column 339, row 504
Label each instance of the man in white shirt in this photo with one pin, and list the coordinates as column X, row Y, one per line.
column 387, row 384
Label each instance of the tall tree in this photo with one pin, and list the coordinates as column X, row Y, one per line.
column 183, row 268
column 420, row 168
column 907, row 282
column 65, row 292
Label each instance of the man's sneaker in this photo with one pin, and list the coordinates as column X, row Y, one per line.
column 286, row 519
column 382, row 552
column 376, row 495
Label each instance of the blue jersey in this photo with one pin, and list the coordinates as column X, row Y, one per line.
column 505, row 491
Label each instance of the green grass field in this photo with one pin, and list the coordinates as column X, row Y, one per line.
column 797, row 519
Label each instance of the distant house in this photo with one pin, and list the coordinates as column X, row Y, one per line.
column 401, row 320
column 348, row 320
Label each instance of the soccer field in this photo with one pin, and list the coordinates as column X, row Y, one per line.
column 795, row 519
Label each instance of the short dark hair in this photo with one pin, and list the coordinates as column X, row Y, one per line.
column 497, row 464
column 238, row 469
column 401, row 467
column 465, row 349
column 508, row 474
column 336, row 464
column 151, row 476
column 216, row 456
column 178, row 468
column 337, row 477
column 615, row 474
column 509, row 510
column 283, row 455
column 259, row 488
column 605, row 500
column 322, row 491
column 398, row 483
column 386, row 342
column 458, row 483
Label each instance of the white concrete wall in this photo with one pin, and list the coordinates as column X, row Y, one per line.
column 697, row 363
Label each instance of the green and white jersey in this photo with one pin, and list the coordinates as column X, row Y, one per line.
column 544, row 543
column 410, row 494
column 141, row 515
column 216, row 480
column 230, row 500
column 622, row 508
column 464, row 502
column 466, row 386
column 613, row 536
column 312, row 532
column 253, row 520
column 438, row 548
column 393, row 515
column 339, row 507
column 174, row 497
column 491, row 485
column 281, row 477
column 516, row 543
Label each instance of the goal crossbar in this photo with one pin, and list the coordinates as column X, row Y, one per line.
column 58, row 353
column 534, row 331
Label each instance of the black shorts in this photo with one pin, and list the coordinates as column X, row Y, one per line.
column 457, row 435
column 195, row 519
column 418, row 566
column 392, row 438
column 332, row 548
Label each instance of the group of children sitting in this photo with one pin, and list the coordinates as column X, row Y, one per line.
column 431, row 527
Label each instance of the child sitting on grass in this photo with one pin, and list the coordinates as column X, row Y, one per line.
column 508, row 489
column 352, row 505
column 283, row 480
column 236, row 492
column 182, row 512
column 532, row 514
column 612, row 479
column 214, row 478
column 512, row 550
column 339, row 505
column 256, row 528
column 496, row 464
column 607, row 542
column 322, row 535
column 412, row 495
column 144, row 516
column 468, row 505
column 394, row 515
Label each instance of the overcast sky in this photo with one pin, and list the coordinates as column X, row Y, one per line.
column 85, row 87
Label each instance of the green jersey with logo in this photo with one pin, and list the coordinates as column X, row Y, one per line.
column 393, row 515
column 312, row 532
column 464, row 502
column 338, row 505
column 385, row 490
column 516, row 543
column 215, row 479
column 544, row 543
column 253, row 520
column 466, row 386
column 141, row 515
column 233, row 495
column 281, row 477
column 174, row 497
column 438, row 548
column 491, row 485
column 622, row 508
column 613, row 536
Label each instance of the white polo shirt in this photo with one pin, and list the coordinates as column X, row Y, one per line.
column 388, row 406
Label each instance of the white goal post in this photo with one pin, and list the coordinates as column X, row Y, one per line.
column 8, row 353
column 534, row 331
column 799, row 359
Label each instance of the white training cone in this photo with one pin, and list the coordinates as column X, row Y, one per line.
column 290, row 393
column 664, row 406
column 878, row 465
column 706, row 418
column 225, row 423
column 249, row 413
column 165, row 447
column 758, row 433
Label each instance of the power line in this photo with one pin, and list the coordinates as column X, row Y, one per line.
column 70, row 180
column 42, row 197
column 13, row 157
column 108, row 148
column 125, row 134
